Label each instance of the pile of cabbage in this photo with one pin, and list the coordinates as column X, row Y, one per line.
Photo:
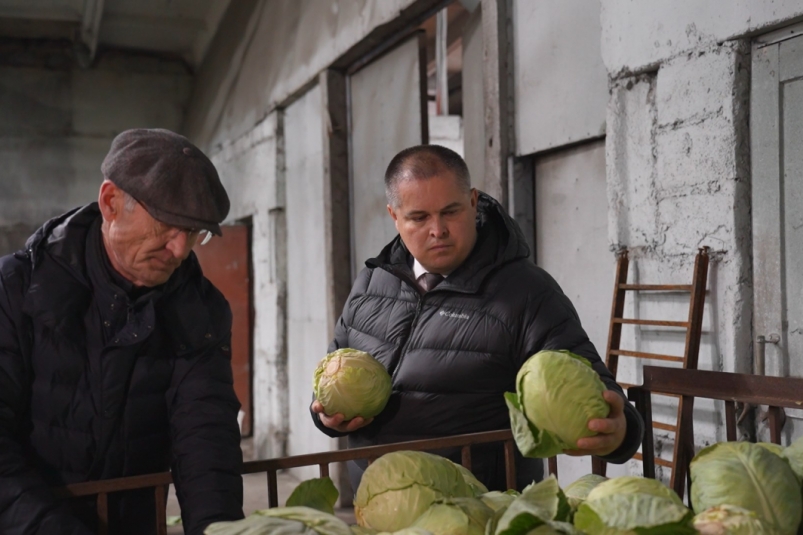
column 738, row 488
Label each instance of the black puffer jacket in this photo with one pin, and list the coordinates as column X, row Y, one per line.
column 96, row 386
column 454, row 351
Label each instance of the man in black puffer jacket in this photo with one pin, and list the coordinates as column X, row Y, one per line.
column 453, row 345
column 114, row 351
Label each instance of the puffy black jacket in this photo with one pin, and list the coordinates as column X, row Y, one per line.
column 94, row 385
column 452, row 352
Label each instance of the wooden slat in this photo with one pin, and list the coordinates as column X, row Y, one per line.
column 645, row 355
column 658, row 461
column 746, row 388
column 665, row 394
column 324, row 469
column 654, row 323
column 103, row 513
column 657, row 287
column 465, row 455
column 510, row 464
column 665, row 427
column 160, row 497
column 273, row 489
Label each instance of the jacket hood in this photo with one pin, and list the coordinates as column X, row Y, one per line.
column 499, row 241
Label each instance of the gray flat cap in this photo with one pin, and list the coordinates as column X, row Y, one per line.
column 175, row 182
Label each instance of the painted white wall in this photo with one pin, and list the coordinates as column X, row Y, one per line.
column 560, row 82
column 474, row 100
column 385, row 119
column 248, row 170
column 284, row 46
column 308, row 321
column 571, row 236
column 637, row 35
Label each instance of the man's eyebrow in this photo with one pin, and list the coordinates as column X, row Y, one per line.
column 413, row 213
column 449, row 207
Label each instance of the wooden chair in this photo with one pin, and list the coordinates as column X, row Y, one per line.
column 692, row 326
column 776, row 392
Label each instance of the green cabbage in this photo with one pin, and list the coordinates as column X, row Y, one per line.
column 730, row 520
column 794, row 454
column 319, row 494
column 283, row 521
column 538, row 504
column 557, row 393
column 633, row 485
column 472, row 481
column 455, row 516
column 632, row 505
column 352, row 383
column 577, row 492
column 748, row 476
column 497, row 500
column 398, row 487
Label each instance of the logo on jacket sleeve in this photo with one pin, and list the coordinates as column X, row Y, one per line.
column 454, row 315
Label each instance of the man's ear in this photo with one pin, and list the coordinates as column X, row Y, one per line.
column 110, row 200
column 474, row 196
column 395, row 216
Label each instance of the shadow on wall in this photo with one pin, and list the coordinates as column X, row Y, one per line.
column 13, row 237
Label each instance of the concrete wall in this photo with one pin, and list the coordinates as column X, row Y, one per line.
column 678, row 179
column 270, row 52
column 57, row 125
column 641, row 35
column 308, row 322
column 473, row 100
column 252, row 173
column 561, row 85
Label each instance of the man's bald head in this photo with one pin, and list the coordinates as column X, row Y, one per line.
column 423, row 162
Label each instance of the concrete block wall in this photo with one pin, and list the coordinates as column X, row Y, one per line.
column 678, row 180
column 58, row 123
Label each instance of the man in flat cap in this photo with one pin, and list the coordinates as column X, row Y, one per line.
column 114, row 351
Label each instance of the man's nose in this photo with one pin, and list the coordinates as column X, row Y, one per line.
column 438, row 229
column 179, row 245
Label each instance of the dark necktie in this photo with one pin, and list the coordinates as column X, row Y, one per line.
column 428, row 281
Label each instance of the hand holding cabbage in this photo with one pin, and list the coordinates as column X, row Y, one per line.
column 561, row 406
column 351, row 387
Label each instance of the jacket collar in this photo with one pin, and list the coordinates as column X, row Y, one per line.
column 65, row 277
column 499, row 241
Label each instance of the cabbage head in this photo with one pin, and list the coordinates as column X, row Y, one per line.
column 577, row 492
column 352, row 383
column 398, row 487
column 631, row 505
column 794, row 454
column 539, row 504
column 748, row 476
column 471, row 480
column 497, row 500
column 730, row 520
column 557, row 393
column 455, row 516
column 283, row 521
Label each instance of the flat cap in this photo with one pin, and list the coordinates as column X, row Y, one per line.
column 175, row 182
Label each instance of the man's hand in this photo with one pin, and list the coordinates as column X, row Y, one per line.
column 611, row 430
column 336, row 422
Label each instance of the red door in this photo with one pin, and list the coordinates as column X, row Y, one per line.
column 226, row 262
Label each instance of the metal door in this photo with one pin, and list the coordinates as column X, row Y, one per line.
column 226, row 262
column 388, row 113
column 776, row 146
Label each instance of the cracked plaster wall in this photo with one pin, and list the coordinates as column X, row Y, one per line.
column 678, row 179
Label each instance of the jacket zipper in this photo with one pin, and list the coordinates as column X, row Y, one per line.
column 410, row 337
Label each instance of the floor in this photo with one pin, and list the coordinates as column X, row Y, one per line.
column 255, row 494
